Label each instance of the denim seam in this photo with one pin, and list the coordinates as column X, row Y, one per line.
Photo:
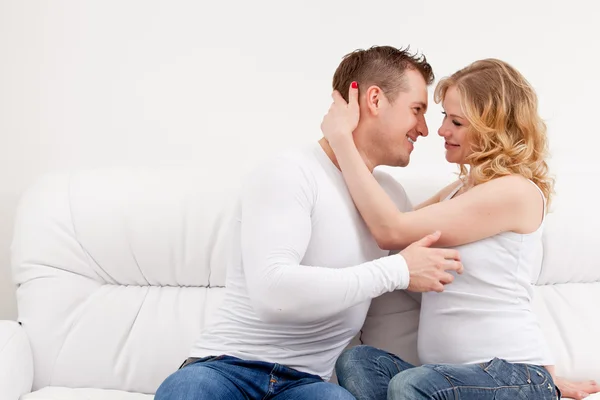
column 271, row 378
column 546, row 380
column 455, row 388
column 394, row 361
column 485, row 388
column 528, row 374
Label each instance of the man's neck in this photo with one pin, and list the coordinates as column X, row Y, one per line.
column 329, row 151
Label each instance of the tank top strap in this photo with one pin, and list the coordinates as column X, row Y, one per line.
column 543, row 197
column 454, row 191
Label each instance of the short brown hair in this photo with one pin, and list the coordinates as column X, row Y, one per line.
column 383, row 66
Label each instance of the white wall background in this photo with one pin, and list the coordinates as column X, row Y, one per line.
column 222, row 84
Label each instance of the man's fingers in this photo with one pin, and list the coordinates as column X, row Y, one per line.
column 453, row 266
column 446, row 278
column 429, row 239
column 438, row 288
column 450, row 254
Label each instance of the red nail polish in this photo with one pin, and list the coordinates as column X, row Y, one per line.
column 354, row 85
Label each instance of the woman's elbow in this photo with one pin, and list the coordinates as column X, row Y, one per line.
column 389, row 240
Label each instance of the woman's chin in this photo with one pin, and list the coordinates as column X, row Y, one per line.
column 455, row 160
column 450, row 159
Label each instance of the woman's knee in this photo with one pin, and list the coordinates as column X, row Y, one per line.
column 353, row 360
column 415, row 383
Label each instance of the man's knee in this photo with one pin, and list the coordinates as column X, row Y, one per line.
column 328, row 391
column 339, row 393
column 194, row 383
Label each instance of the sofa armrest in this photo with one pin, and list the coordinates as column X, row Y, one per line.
column 16, row 361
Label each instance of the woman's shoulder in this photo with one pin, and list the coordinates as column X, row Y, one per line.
column 514, row 184
column 520, row 195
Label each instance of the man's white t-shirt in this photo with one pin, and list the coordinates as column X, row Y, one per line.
column 304, row 268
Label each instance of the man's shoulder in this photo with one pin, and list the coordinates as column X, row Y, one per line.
column 394, row 189
column 298, row 159
column 297, row 164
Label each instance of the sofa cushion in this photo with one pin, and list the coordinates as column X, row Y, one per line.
column 117, row 273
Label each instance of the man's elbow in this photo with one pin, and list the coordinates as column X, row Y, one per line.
column 281, row 308
column 269, row 307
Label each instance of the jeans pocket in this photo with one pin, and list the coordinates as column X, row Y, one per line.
column 509, row 374
column 542, row 379
column 539, row 375
column 195, row 360
column 530, row 381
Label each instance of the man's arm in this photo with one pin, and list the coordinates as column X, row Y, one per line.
column 276, row 229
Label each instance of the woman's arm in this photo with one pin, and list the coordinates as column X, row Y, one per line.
column 497, row 206
column 439, row 196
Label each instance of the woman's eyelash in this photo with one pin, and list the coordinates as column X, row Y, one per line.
column 456, row 123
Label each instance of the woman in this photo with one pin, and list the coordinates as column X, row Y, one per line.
column 479, row 337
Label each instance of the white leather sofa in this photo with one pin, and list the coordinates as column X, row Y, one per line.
column 119, row 269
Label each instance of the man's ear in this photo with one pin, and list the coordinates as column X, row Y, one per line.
column 374, row 99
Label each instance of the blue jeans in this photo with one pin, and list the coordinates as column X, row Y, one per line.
column 230, row 378
column 373, row 374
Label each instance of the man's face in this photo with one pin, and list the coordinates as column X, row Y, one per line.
column 401, row 122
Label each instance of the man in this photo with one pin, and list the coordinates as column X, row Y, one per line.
column 306, row 266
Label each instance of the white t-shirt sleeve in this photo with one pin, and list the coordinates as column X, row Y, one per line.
column 275, row 231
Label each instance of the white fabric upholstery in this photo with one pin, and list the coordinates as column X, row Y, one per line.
column 115, row 275
column 16, row 364
column 62, row 393
column 56, row 393
column 119, row 269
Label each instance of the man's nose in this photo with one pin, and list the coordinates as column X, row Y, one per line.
column 422, row 128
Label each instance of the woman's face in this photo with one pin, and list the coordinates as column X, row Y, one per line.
column 454, row 128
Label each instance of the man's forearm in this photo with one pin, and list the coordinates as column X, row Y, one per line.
column 299, row 293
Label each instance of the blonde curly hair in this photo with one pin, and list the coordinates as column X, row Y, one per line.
column 506, row 133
